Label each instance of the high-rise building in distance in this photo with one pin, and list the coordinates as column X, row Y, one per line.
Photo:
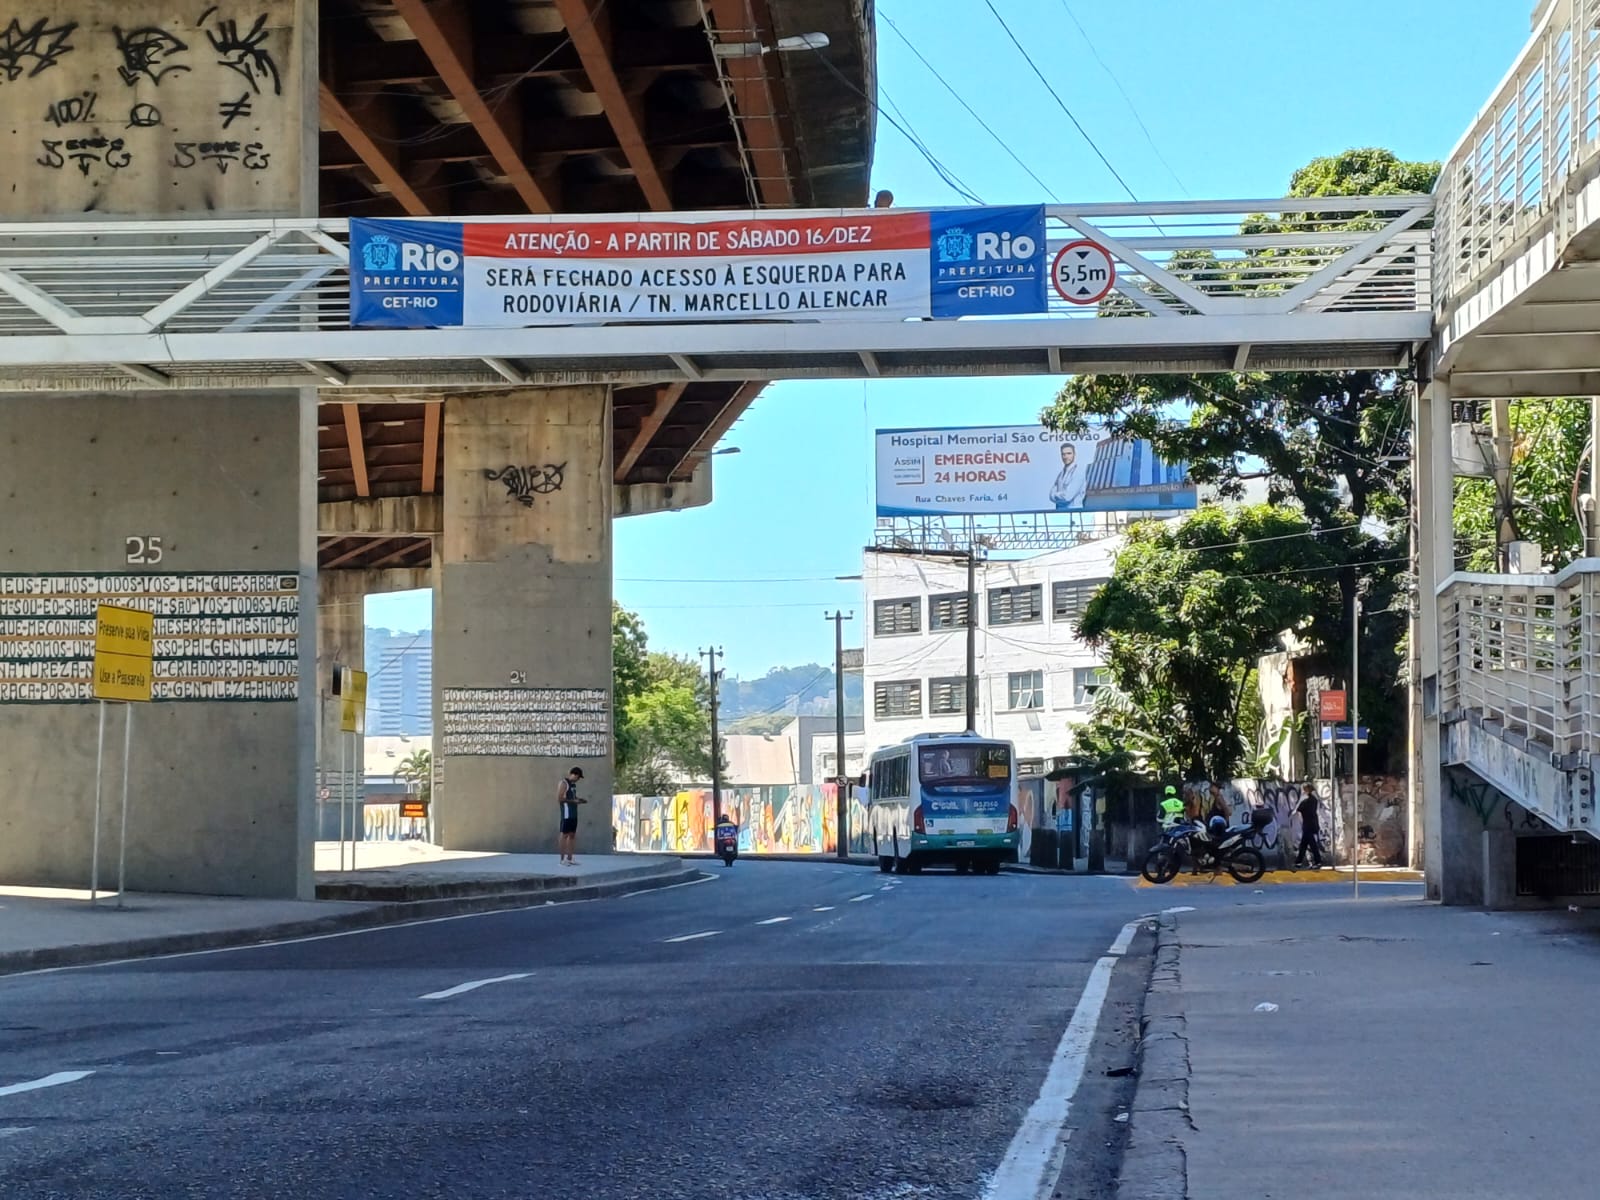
column 399, row 681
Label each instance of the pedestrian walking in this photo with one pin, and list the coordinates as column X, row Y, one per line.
column 568, row 800
column 1310, row 832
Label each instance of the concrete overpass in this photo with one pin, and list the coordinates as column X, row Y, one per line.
column 154, row 160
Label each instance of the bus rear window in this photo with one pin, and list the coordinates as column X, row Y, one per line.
column 963, row 763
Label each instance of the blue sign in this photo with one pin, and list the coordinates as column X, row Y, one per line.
column 406, row 274
column 988, row 262
column 1341, row 733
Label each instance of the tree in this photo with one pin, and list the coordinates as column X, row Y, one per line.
column 1334, row 443
column 661, row 705
column 1188, row 611
column 417, row 767
column 1547, row 447
column 628, row 674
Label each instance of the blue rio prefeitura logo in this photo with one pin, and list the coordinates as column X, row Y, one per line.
column 955, row 245
column 380, row 254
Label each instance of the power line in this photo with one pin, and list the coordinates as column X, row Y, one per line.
column 1078, row 125
column 1127, row 99
column 1004, row 145
column 943, row 172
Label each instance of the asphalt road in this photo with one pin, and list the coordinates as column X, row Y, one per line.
column 837, row 1035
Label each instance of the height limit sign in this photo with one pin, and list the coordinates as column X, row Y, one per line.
column 1084, row 272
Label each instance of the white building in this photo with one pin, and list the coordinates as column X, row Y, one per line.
column 1034, row 675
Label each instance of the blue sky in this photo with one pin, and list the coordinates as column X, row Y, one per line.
column 1233, row 95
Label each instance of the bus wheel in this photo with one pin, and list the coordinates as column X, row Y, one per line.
column 885, row 863
column 914, row 866
column 902, row 866
column 992, row 867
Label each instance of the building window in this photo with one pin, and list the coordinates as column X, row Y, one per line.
column 947, row 695
column 1071, row 596
column 1016, row 605
column 1085, row 680
column 897, row 698
column 1025, row 689
column 890, row 617
column 948, row 611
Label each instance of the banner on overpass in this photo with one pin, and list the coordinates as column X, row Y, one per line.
column 1022, row 469
column 862, row 266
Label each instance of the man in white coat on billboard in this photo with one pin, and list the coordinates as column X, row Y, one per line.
column 1067, row 491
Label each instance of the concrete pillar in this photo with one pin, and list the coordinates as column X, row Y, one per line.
column 1433, row 485
column 1499, row 868
column 198, row 507
column 341, row 642
column 201, row 510
column 522, row 625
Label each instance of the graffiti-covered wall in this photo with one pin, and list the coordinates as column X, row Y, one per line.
column 789, row 819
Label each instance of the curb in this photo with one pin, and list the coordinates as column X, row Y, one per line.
column 1155, row 1163
column 392, row 913
column 855, row 860
column 410, row 891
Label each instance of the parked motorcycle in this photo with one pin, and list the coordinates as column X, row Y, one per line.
column 1228, row 849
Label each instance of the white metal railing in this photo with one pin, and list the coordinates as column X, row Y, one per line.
column 1511, row 172
column 1524, row 650
column 1180, row 259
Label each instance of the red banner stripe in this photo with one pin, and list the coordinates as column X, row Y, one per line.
column 701, row 239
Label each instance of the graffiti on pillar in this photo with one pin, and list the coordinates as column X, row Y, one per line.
column 244, row 52
column 524, row 483
column 26, row 51
column 149, row 54
column 208, row 83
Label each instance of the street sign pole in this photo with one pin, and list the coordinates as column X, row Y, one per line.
column 1355, row 748
column 99, row 776
column 122, row 842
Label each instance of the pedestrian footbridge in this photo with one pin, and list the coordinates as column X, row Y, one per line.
column 1489, row 288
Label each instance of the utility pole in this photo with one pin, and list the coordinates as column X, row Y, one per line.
column 972, row 638
column 713, row 653
column 1355, row 746
column 842, row 815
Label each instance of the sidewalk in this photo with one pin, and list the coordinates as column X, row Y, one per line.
column 49, row 927
column 1416, row 1052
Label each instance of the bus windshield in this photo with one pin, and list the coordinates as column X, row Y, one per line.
column 966, row 766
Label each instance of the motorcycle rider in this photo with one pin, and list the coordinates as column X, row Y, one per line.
column 1172, row 808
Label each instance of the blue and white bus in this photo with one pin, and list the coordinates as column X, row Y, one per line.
column 943, row 798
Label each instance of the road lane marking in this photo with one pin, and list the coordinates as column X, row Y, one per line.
column 823, row 908
column 1034, row 1159
column 774, row 921
column 859, row 899
column 690, row 937
column 55, row 1080
column 472, row 986
column 531, row 907
column 12, row 1130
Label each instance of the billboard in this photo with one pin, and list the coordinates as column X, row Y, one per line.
column 1022, row 469
column 875, row 265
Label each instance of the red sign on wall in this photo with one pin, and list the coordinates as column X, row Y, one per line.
column 1331, row 706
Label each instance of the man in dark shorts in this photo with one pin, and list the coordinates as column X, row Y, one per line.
column 567, row 799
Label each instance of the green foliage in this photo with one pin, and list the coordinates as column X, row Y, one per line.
column 1548, row 440
column 1270, row 756
column 417, row 767
column 1187, row 612
column 662, row 712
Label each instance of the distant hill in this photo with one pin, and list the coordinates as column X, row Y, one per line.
column 765, row 704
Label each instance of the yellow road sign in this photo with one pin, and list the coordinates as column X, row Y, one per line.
column 124, row 645
column 124, row 631
column 353, row 712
